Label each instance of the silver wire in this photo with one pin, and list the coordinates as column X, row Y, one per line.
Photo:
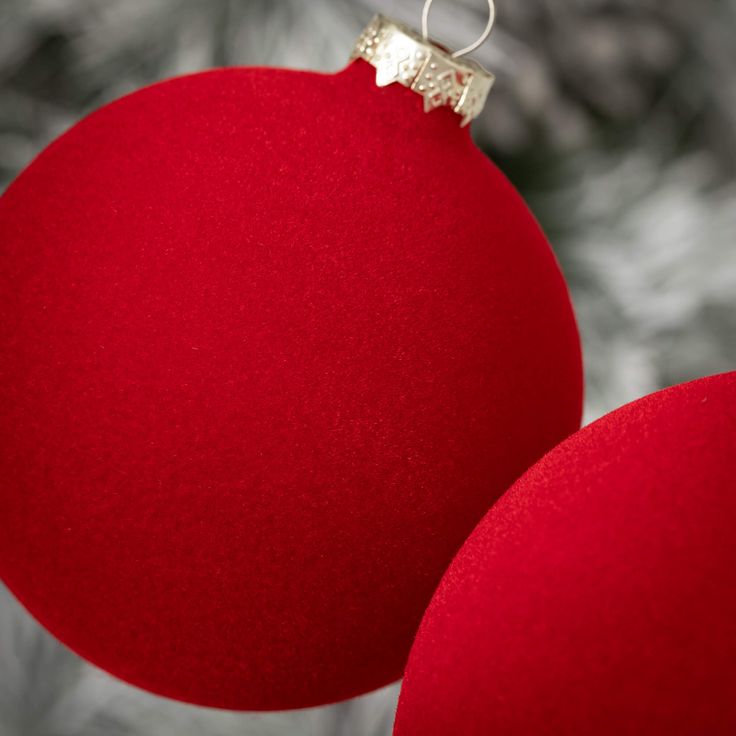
column 473, row 46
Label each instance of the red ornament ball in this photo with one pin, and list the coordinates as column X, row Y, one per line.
column 273, row 342
column 599, row 595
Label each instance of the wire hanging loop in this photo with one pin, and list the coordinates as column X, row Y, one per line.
column 473, row 46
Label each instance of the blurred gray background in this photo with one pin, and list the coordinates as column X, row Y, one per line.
column 615, row 118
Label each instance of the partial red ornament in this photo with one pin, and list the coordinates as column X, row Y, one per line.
column 273, row 343
column 598, row 596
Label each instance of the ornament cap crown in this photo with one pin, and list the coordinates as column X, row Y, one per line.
column 401, row 55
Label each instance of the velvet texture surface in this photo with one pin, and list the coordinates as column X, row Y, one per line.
column 273, row 343
column 598, row 596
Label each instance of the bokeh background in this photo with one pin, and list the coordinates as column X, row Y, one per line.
column 615, row 118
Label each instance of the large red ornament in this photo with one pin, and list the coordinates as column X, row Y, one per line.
column 599, row 595
column 273, row 342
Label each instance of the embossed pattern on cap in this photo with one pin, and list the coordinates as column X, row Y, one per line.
column 401, row 55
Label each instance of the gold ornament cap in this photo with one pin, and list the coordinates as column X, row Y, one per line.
column 400, row 54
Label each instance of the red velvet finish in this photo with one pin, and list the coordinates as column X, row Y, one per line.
column 273, row 342
column 599, row 595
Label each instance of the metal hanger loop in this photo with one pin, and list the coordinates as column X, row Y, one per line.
column 473, row 46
